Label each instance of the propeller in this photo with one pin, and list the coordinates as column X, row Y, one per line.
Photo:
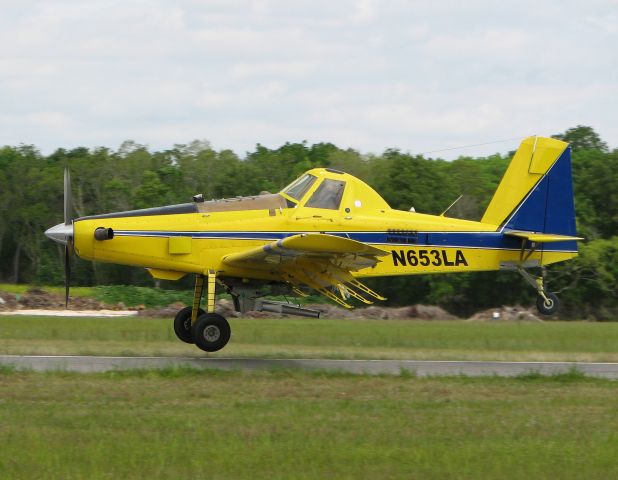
column 63, row 234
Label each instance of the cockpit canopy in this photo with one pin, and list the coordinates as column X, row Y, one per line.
column 318, row 188
column 335, row 190
column 328, row 194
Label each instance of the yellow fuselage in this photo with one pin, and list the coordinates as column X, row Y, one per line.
column 198, row 242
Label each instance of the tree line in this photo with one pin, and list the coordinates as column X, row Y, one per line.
column 133, row 176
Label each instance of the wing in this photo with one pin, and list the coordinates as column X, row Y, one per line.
column 320, row 261
column 541, row 237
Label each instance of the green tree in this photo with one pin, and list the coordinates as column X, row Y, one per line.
column 477, row 180
column 595, row 176
column 589, row 283
column 583, row 138
column 152, row 192
column 413, row 181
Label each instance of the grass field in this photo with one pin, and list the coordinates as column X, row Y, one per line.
column 20, row 289
column 286, row 338
column 283, row 425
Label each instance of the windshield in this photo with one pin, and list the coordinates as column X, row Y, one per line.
column 327, row 195
column 299, row 187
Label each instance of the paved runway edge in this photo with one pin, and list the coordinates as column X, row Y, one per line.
column 370, row 367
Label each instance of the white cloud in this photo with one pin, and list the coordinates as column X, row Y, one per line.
column 363, row 74
column 249, row 70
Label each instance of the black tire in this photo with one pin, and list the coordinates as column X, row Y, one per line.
column 182, row 324
column 549, row 306
column 211, row 332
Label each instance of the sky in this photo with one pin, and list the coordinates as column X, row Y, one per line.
column 419, row 76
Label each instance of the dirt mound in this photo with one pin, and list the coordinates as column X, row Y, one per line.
column 170, row 311
column 225, row 308
column 35, row 298
column 8, row 301
column 418, row 312
column 330, row 311
column 505, row 314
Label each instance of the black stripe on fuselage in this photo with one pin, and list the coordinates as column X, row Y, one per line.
column 147, row 212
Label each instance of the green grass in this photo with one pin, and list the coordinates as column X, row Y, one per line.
column 284, row 338
column 281, row 425
column 14, row 288
column 20, row 289
column 131, row 296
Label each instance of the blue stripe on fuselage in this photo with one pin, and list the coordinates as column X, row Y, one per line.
column 488, row 240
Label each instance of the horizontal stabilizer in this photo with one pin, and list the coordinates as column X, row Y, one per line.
column 541, row 237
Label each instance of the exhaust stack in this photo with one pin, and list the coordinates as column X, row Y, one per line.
column 103, row 233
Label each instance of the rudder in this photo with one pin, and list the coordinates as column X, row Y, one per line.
column 536, row 192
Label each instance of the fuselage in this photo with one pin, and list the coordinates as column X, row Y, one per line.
column 196, row 237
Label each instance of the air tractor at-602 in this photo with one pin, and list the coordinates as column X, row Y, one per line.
column 325, row 232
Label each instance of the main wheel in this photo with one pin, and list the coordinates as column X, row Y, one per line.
column 549, row 306
column 182, row 324
column 211, row 332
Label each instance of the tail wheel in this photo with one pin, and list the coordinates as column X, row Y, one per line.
column 211, row 332
column 547, row 306
column 182, row 324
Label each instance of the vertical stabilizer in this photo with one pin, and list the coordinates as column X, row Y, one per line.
column 536, row 192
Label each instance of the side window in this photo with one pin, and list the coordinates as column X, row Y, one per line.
column 328, row 195
column 299, row 187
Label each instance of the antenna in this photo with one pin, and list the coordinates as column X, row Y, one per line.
column 449, row 207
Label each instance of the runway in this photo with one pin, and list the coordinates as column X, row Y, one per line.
column 368, row 367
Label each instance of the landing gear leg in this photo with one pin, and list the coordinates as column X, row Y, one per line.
column 188, row 315
column 210, row 331
column 546, row 302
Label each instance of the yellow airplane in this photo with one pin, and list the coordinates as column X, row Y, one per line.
column 326, row 231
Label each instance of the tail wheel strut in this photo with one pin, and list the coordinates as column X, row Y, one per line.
column 546, row 302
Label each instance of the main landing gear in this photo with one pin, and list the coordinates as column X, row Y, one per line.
column 207, row 330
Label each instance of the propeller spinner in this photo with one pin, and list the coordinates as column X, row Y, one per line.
column 63, row 233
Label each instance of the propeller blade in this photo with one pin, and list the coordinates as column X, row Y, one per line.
column 67, row 272
column 68, row 198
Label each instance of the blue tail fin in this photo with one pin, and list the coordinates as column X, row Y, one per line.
column 548, row 207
